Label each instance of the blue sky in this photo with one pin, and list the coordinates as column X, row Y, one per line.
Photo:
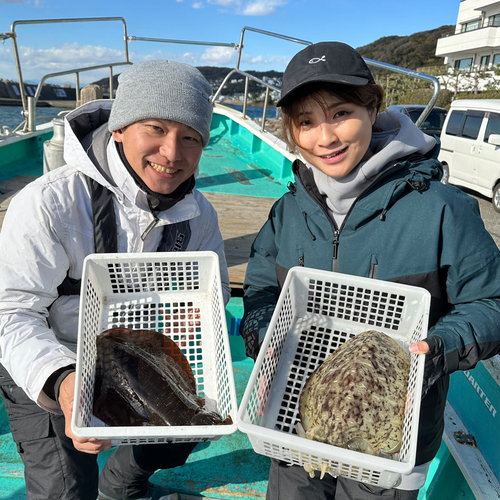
column 50, row 48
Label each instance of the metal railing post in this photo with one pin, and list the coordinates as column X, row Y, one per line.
column 111, row 90
column 12, row 34
column 268, row 33
column 19, row 72
column 414, row 74
column 264, row 112
column 31, row 118
column 240, row 48
column 245, row 98
column 77, row 85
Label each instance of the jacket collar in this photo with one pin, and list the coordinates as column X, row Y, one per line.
column 404, row 175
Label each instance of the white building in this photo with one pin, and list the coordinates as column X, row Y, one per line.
column 475, row 45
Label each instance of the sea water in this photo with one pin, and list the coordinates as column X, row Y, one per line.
column 255, row 111
column 12, row 117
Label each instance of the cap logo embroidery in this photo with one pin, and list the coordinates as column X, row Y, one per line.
column 316, row 60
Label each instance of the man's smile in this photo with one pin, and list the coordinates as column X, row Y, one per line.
column 163, row 170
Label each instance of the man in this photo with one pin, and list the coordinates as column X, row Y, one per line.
column 128, row 186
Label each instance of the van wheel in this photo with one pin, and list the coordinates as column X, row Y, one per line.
column 446, row 174
column 496, row 198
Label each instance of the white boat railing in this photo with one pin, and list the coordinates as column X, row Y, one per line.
column 29, row 103
column 413, row 74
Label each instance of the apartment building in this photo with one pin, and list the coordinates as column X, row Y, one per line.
column 475, row 45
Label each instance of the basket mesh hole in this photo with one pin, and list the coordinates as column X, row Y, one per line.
column 356, row 304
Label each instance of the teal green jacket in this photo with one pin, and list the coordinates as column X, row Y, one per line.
column 406, row 227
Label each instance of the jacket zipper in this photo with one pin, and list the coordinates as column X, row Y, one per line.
column 335, row 259
column 151, row 226
column 337, row 231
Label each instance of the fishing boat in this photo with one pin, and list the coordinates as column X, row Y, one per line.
column 244, row 169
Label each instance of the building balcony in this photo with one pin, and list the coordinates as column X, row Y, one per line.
column 469, row 41
column 481, row 4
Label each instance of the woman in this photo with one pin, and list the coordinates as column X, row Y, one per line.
column 367, row 201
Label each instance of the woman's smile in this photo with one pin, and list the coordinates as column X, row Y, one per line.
column 335, row 157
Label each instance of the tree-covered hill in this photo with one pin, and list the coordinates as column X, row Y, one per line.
column 412, row 52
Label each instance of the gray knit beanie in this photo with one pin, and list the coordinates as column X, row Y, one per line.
column 166, row 90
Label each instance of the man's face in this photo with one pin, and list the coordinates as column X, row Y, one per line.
column 163, row 153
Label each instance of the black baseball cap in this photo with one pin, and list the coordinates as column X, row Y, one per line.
column 334, row 62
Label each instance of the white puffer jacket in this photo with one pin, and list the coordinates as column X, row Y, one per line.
column 48, row 230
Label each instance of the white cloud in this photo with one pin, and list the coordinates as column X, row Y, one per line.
column 225, row 3
column 218, row 55
column 7, row 64
column 36, row 62
column 68, row 55
column 197, row 5
column 188, row 58
column 262, row 7
column 36, row 3
column 276, row 61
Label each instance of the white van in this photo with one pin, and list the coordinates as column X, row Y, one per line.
column 470, row 147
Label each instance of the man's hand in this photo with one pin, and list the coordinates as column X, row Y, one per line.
column 66, row 396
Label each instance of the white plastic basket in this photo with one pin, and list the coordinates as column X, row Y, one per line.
column 317, row 311
column 178, row 294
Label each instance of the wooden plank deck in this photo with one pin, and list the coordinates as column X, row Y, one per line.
column 8, row 189
column 240, row 219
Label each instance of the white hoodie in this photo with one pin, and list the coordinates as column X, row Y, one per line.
column 48, row 230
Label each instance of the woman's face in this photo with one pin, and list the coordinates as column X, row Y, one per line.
column 334, row 139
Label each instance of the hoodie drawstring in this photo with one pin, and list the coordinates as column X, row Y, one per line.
column 304, row 214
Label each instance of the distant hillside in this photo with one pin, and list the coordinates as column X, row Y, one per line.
column 412, row 52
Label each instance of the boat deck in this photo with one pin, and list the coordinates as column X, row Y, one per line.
column 240, row 219
column 8, row 189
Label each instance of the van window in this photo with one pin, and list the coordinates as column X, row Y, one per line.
column 455, row 122
column 493, row 126
column 472, row 125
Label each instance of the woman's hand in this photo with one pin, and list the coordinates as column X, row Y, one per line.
column 420, row 347
column 433, row 348
column 66, row 396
